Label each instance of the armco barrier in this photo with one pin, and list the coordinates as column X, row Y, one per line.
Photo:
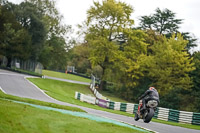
column 156, row 113
column 185, row 117
column 173, row 115
column 196, row 119
column 163, row 114
column 111, row 105
column 117, row 106
column 102, row 103
column 123, row 107
column 129, row 108
column 85, row 98
column 135, row 108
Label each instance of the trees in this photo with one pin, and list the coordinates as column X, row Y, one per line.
column 15, row 42
column 51, row 17
column 170, row 65
column 165, row 23
column 162, row 21
column 105, row 21
column 80, row 54
column 55, row 44
column 195, row 92
column 131, row 59
column 29, row 17
column 33, row 30
column 54, row 55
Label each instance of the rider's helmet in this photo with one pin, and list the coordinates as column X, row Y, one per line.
column 152, row 88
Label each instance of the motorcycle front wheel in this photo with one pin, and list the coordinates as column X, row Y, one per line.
column 148, row 115
column 136, row 116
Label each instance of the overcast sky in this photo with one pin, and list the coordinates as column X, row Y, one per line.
column 74, row 11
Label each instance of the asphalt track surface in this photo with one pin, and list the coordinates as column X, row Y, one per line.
column 16, row 84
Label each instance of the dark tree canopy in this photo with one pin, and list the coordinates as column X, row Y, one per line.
column 162, row 21
column 165, row 23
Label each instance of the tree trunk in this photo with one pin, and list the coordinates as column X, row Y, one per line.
column 103, row 82
column 9, row 62
column 102, row 85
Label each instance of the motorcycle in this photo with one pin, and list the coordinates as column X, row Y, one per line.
column 148, row 113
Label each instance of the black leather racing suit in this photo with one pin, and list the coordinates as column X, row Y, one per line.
column 149, row 95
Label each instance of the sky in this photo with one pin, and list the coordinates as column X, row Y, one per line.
column 75, row 11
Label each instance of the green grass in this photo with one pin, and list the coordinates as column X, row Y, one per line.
column 65, row 76
column 5, row 96
column 19, row 118
column 64, row 91
column 113, row 97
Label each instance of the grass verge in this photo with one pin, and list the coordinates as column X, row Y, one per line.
column 5, row 96
column 64, row 91
column 65, row 76
column 21, row 118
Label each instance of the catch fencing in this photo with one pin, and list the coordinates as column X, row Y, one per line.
column 161, row 113
column 27, row 65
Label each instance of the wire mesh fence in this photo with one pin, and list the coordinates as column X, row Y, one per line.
column 27, row 65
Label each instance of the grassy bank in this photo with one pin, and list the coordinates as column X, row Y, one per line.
column 65, row 76
column 64, row 91
column 5, row 96
column 21, row 118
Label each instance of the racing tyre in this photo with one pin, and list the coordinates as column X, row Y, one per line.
column 136, row 117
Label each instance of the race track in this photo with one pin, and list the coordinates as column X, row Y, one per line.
column 16, row 84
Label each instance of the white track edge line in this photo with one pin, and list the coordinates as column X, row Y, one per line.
column 2, row 90
column 39, row 88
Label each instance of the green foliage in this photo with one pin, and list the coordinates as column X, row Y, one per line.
column 51, row 17
column 105, row 22
column 165, row 23
column 192, row 41
column 195, row 74
column 15, row 42
column 79, row 58
column 171, row 100
column 30, row 18
column 54, row 48
column 162, row 21
column 170, row 65
column 135, row 50
column 33, row 30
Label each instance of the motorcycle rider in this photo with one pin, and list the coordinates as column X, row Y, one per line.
column 150, row 94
